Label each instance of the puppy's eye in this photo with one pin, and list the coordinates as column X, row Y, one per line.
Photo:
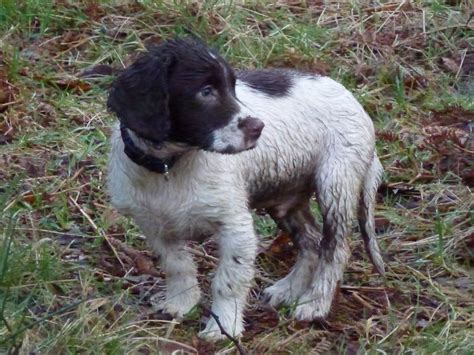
column 206, row 91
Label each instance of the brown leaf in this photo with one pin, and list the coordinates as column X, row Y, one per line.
column 141, row 260
column 112, row 266
column 29, row 198
column 447, row 135
column 94, row 11
column 387, row 136
column 301, row 324
column 450, row 64
column 415, row 81
column 382, row 223
column 72, row 84
column 438, row 135
column 282, row 244
column 145, row 265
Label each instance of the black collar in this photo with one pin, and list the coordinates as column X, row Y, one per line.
column 139, row 157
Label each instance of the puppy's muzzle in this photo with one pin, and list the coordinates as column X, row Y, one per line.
column 252, row 128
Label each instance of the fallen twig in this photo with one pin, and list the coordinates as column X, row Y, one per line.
column 239, row 347
column 98, row 231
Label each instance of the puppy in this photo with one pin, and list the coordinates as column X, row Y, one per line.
column 199, row 146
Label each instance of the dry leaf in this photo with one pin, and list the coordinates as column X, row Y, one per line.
column 450, row 65
column 72, row 84
column 281, row 244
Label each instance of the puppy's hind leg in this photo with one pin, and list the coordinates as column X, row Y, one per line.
column 300, row 225
column 182, row 289
column 338, row 188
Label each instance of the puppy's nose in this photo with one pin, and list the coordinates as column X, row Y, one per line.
column 252, row 127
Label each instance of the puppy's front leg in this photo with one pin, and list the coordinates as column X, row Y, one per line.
column 230, row 286
column 182, row 289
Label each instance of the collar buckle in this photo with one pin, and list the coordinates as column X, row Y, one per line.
column 166, row 172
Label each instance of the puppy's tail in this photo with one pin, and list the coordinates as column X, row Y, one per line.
column 366, row 213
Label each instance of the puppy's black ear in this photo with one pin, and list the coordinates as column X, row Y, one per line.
column 139, row 97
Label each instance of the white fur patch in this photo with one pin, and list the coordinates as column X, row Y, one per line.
column 231, row 138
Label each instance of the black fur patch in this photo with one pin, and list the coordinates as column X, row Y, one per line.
column 273, row 82
column 194, row 121
column 139, row 97
column 158, row 97
column 236, row 260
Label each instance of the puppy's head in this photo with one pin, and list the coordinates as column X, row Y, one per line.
column 183, row 92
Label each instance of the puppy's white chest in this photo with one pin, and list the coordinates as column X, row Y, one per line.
column 174, row 209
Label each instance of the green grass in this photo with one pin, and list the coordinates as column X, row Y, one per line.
column 68, row 283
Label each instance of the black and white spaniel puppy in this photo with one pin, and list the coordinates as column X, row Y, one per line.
column 199, row 145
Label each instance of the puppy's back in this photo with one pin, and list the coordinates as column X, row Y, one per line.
column 313, row 119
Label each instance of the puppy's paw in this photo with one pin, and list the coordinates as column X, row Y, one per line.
column 177, row 306
column 176, row 311
column 289, row 289
column 213, row 332
column 283, row 292
column 312, row 308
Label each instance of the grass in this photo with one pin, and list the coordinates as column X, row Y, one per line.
column 76, row 277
